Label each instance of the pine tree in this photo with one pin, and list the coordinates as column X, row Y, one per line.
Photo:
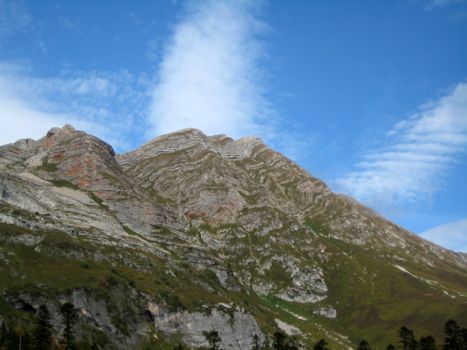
column 407, row 337
column 283, row 342
column 321, row 345
column 427, row 343
column 255, row 342
column 464, row 338
column 213, row 339
column 364, row 345
column 70, row 316
column 3, row 334
column 280, row 340
column 20, row 333
column 453, row 339
column 14, row 337
column 43, row 331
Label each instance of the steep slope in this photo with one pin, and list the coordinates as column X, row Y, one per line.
column 191, row 233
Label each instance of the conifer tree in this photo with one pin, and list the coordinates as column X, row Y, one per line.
column 464, row 338
column 280, row 340
column 283, row 342
column 213, row 339
column 70, row 316
column 407, row 338
column 43, row 331
column 14, row 337
column 321, row 345
column 255, row 342
column 453, row 339
column 427, row 343
column 364, row 345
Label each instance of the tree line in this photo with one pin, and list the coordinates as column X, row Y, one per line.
column 42, row 338
column 455, row 339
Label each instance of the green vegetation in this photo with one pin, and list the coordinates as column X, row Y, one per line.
column 284, row 342
column 365, row 291
column 364, row 345
column 48, row 167
column 213, row 339
column 43, row 331
column 97, row 199
column 321, row 345
column 64, row 183
column 70, row 316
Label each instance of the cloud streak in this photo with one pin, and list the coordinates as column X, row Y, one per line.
column 108, row 105
column 418, row 152
column 13, row 17
column 452, row 235
column 209, row 77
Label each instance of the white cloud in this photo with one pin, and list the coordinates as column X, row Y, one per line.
column 20, row 119
column 452, row 235
column 209, row 76
column 13, row 17
column 108, row 105
column 420, row 150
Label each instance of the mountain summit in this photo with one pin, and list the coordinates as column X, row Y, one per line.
column 192, row 233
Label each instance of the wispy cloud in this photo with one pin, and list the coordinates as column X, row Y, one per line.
column 13, row 17
column 442, row 3
column 452, row 235
column 108, row 105
column 209, row 77
column 417, row 153
column 430, row 5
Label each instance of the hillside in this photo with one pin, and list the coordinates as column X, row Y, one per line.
column 191, row 233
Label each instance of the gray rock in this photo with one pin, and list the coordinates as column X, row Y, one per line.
column 235, row 326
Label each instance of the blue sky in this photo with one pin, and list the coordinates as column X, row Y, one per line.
column 370, row 96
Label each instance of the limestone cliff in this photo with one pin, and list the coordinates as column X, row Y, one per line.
column 191, row 233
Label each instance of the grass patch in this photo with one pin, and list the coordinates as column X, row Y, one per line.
column 48, row 167
column 64, row 183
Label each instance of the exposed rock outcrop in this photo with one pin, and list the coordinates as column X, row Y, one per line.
column 198, row 233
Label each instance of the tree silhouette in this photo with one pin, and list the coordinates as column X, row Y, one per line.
column 280, row 338
column 14, row 337
column 213, row 339
column 464, row 338
column 283, row 342
column 70, row 316
column 453, row 340
column 427, row 343
column 321, row 345
column 43, row 331
column 364, row 345
column 407, row 338
column 255, row 342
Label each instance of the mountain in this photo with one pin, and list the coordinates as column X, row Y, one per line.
column 191, row 233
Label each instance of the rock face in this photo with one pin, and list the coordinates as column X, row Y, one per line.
column 193, row 233
column 236, row 327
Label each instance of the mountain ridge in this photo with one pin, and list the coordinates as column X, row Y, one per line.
column 236, row 222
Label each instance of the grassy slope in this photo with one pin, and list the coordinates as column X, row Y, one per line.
column 372, row 297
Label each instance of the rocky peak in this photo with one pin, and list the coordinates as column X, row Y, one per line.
column 195, row 140
column 225, row 234
column 80, row 158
